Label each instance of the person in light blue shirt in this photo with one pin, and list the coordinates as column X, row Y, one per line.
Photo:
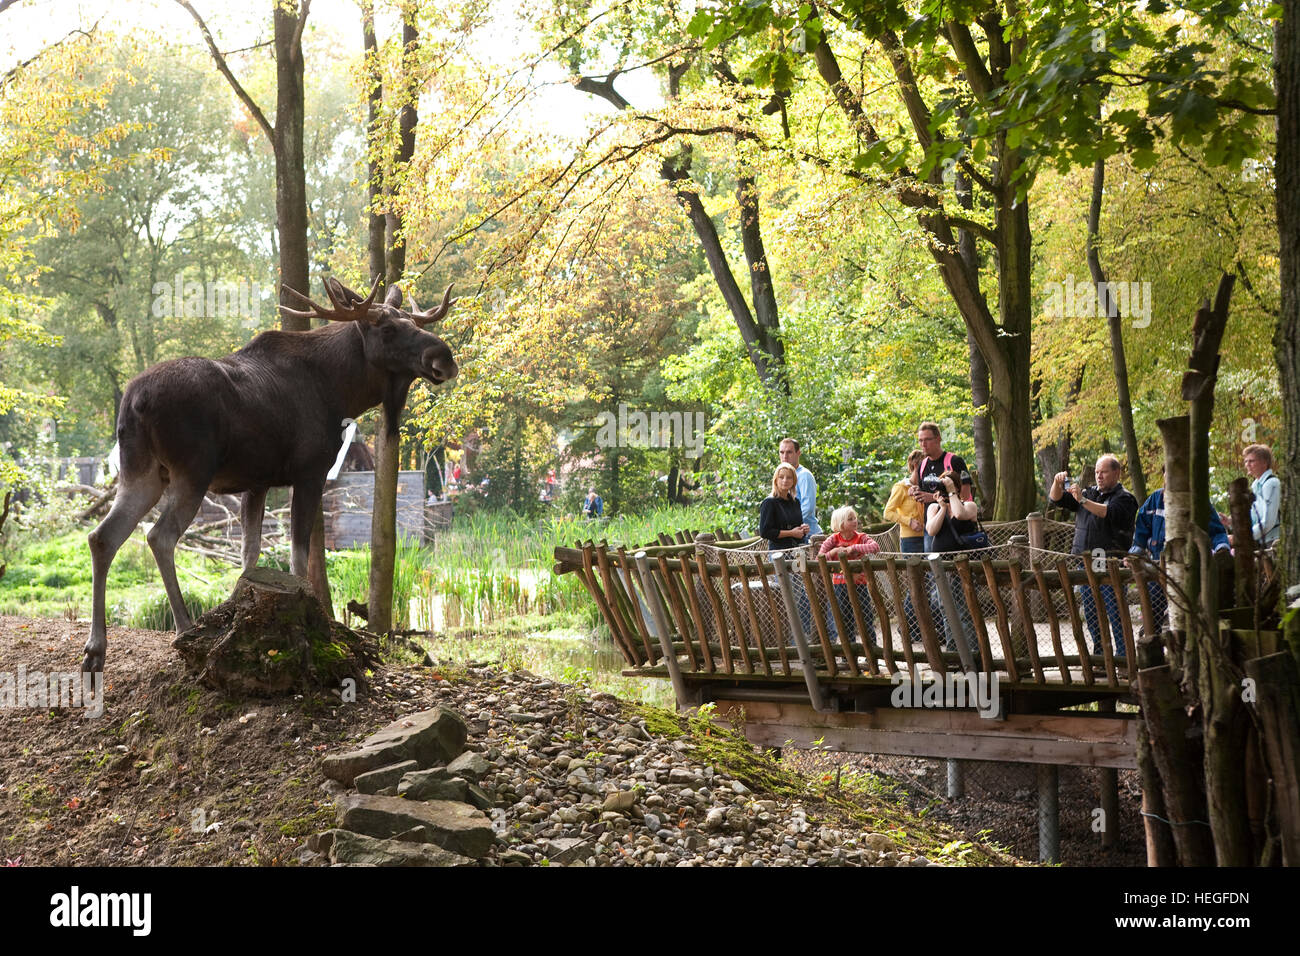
column 805, row 487
column 1265, row 515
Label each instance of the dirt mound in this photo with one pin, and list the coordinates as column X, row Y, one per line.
column 171, row 772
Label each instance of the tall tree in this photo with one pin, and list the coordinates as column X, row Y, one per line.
column 1286, row 67
column 286, row 138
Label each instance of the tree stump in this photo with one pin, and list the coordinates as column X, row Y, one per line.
column 272, row 637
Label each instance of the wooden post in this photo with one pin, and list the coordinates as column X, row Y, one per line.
column 955, row 631
column 1240, row 499
column 796, row 628
column 1277, row 702
column 662, row 626
column 1034, row 525
column 1168, row 727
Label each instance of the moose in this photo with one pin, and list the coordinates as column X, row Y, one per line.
column 268, row 415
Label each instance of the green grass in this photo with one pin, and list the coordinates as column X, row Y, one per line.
column 487, row 569
column 52, row 579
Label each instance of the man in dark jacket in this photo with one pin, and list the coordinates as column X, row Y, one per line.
column 1103, row 525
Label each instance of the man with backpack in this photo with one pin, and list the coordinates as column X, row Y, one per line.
column 936, row 462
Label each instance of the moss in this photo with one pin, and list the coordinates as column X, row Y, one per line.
column 873, row 808
column 320, row 819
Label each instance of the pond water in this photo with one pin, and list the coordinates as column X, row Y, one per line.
column 562, row 654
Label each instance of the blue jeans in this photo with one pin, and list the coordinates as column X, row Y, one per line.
column 911, row 546
column 1112, row 615
column 846, row 612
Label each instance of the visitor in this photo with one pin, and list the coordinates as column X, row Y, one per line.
column 850, row 543
column 1103, row 524
column 594, row 505
column 947, row 518
column 1149, row 540
column 805, row 486
column 780, row 519
column 1265, row 510
column 936, row 462
column 908, row 513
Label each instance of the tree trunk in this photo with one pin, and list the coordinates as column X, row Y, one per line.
column 761, row 341
column 290, row 169
column 374, row 166
column 760, row 273
column 1286, row 341
column 406, row 120
column 388, row 440
column 1137, row 475
column 383, row 526
column 981, row 426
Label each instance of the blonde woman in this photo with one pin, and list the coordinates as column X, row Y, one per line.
column 905, row 511
column 780, row 520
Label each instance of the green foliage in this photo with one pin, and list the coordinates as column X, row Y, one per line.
column 52, row 578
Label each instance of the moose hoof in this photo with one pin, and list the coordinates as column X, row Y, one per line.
column 93, row 662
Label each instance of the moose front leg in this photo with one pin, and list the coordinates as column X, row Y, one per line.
column 252, row 507
column 302, row 515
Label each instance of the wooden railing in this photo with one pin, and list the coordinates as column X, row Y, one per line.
column 704, row 607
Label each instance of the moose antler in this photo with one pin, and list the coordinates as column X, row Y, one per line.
column 433, row 315
column 348, row 305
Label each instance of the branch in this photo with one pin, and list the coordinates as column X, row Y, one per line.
column 14, row 70
column 295, row 45
column 981, row 230
column 604, row 89
column 225, row 71
column 963, row 44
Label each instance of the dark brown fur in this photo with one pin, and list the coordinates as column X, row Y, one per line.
column 269, row 415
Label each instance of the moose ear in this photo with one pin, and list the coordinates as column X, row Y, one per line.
column 393, row 298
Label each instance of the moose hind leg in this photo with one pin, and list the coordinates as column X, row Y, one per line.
column 179, row 508
column 135, row 496
column 252, row 508
column 302, row 516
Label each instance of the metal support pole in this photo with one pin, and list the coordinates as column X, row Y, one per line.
column 796, row 628
column 1109, row 783
column 1049, row 814
column 956, row 778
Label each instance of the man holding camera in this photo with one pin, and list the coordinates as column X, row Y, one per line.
column 1103, row 522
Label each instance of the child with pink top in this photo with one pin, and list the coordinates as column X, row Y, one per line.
column 849, row 542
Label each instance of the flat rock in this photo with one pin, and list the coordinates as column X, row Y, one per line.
column 359, row 849
column 376, row 780
column 469, row 765
column 429, row 737
column 458, row 827
column 416, row 786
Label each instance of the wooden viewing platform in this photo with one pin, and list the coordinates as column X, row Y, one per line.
column 761, row 636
